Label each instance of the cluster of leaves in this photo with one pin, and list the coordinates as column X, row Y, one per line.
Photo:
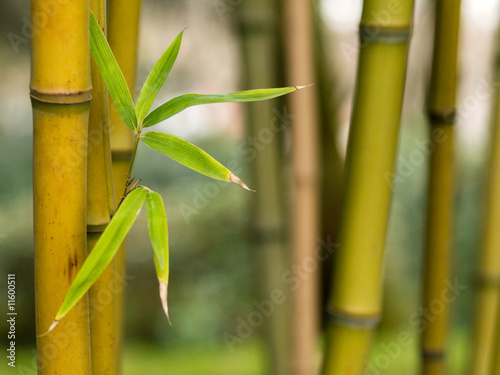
column 137, row 118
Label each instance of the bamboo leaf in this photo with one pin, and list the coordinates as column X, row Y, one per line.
column 191, row 156
column 104, row 250
column 111, row 74
column 158, row 233
column 156, row 79
column 180, row 103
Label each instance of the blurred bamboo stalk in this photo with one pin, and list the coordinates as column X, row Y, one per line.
column 438, row 245
column 331, row 162
column 300, row 69
column 260, row 44
column 355, row 302
column 123, row 36
column 486, row 349
column 100, row 205
column 60, row 89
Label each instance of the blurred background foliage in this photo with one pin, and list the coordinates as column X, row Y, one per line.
column 214, row 271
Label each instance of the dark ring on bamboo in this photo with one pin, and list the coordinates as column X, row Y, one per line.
column 486, row 281
column 447, row 117
column 433, row 355
column 121, row 155
column 375, row 34
column 71, row 98
column 96, row 228
column 351, row 321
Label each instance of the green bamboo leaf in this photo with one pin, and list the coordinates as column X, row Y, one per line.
column 180, row 103
column 158, row 233
column 111, row 74
column 191, row 156
column 156, row 79
column 104, row 250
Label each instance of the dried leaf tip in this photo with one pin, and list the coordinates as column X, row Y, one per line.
column 237, row 181
column 303, row 87
column 52, row 326
column 163, row 297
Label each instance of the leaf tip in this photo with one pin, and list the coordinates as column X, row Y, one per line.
column 235, row 179
column 303, row 87
column 52, row 326
column 163, row 297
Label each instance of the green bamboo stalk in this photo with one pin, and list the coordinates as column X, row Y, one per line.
column 123, row 32
column 355, row 302
column 100, row 205
column 260, row 44
column 299, row 54
column 485, row 359
column 441, row 109
column 60, row 89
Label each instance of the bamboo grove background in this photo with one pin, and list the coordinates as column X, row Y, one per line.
column 230, row 249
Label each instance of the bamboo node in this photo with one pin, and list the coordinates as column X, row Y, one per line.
column 433, row 355
column 99, row 228
column 440, row 117
column 121, row 154
column 363, row 322
column 62, row 98
column 375, row 34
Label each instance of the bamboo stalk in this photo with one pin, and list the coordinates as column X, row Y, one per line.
column 485, row 360
column 123, row 32
column 441, row 109
column 299, row 53
column 102, row 297
column 258, row 20
column 60, row 90
column 355, row 302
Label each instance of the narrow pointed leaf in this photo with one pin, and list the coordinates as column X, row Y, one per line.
column 191, row 156
column 156, row 79
column 111, row 74
column 158, row 233
column 104, row 250
column 180, row 103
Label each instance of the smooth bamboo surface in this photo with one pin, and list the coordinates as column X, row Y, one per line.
column 355, row 302
column 102, row 296
column 267, row 121
column 123, row 35
column 300, row 70
column 485, row 360
column 60, row 89
column 438, row 244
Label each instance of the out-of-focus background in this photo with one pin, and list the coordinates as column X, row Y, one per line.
column 215, row 268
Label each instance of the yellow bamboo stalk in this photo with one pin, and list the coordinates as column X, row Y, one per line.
column 355, row 302
column 441, row 110
column 300, row 69
column 123, row 32
column 260, row 44
column 60, row 90
column 485, row 359
column 102, row 295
